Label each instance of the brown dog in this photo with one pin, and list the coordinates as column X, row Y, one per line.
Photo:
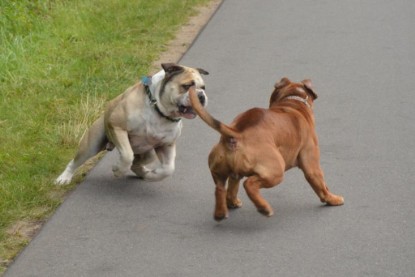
column 262, row 144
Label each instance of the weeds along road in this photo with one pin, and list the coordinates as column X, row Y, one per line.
column 360, row 57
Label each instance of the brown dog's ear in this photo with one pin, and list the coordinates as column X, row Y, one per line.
column 282, row 83
column 171, row 67
column 309, row 87
column 202, row 71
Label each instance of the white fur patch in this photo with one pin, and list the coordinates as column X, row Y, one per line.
column 156, row 79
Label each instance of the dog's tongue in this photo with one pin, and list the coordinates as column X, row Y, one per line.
column 189, row 115
column 187, row 112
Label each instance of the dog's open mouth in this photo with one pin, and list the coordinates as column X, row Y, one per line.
column 186, row 112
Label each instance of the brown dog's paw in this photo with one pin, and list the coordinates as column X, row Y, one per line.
column 334, row 200
column 234, row 203
column 266, row 211
column 220, row 216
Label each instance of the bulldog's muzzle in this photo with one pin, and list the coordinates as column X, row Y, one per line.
column 185, row 107
column 202, row 97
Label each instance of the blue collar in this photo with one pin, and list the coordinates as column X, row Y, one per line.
column 153, row 101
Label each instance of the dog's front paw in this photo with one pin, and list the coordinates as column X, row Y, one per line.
column 117, row 171
column 154, row 176
column 234, row 203
column 140, row 170
column 334, row 200
column 157, row 174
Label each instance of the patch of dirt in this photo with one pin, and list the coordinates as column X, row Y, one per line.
column 20, row 233
column 24, row 229
column 187, row 34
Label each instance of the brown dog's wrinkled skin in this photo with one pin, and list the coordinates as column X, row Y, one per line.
column 262, row 144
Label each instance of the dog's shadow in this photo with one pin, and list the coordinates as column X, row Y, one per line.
column 288, row 214
column 127, row 187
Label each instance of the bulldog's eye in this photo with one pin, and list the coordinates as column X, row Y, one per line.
column 186, row 87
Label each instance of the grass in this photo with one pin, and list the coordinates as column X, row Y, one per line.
column 60, row 61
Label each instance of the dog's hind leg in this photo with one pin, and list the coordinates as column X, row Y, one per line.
column 232, row 199
column 92, row 142
column 252, row 186
column 121, row 141
column 269, row 173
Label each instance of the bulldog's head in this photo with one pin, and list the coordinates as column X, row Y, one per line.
column 173, row 93
column 285, row 88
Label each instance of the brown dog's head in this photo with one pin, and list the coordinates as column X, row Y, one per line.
column 285, row 88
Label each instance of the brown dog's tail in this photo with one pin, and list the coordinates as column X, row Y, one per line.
column 210, row 120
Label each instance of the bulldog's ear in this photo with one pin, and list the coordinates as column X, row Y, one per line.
column 282, row 83
column 278, row 85
column 202, row 71
column 171, row 67
column 309, row 87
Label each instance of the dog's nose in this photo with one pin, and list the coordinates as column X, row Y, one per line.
column 202, row 97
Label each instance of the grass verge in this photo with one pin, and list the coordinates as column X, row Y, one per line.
column 60, row 61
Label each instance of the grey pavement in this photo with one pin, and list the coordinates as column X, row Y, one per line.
column 361, row 58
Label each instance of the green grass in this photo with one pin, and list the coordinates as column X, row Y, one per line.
column 60, row 61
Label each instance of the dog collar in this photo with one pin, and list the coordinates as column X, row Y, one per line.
column 298, row 98
column 153, row 101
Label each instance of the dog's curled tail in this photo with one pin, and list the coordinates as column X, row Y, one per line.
column 210, row 120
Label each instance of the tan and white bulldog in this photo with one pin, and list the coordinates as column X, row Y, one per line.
column 143, row 124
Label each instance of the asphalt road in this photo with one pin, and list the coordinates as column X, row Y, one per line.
column 361, row 58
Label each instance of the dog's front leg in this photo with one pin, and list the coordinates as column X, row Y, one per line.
column 144, row 163
column 120, row 139
column 310, row 164
column 167, row 156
